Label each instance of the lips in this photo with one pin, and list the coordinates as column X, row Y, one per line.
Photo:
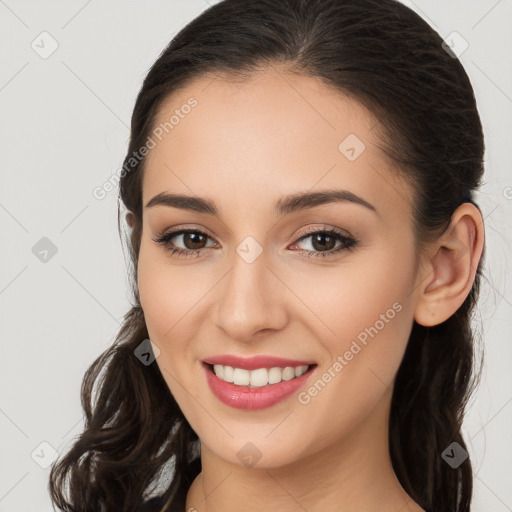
column 245, row 397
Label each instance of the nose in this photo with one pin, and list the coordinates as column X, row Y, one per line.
column 251, row 300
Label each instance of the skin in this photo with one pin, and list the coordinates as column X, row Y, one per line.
column 245, row 146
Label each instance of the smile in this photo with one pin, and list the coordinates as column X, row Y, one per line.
column 257, row 387
column 259, row 377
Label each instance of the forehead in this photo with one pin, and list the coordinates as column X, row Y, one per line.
column 275, row 131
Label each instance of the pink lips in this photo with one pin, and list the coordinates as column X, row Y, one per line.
column 244, row 397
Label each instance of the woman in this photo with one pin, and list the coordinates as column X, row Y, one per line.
column 306, row 257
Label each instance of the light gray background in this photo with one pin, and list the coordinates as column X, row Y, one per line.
column 64, row 130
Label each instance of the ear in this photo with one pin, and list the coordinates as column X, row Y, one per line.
column 451, row 267
column 130, row 219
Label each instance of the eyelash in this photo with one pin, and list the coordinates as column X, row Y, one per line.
column 348, row 242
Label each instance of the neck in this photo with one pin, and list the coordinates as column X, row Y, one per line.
column 355, row 473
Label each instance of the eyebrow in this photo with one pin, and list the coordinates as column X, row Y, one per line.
column 287, row 204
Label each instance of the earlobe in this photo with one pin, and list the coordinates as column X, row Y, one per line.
column 451, row 269
column 130, row 219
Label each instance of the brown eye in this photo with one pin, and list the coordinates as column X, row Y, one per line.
column 193, row 240
column 323, row 242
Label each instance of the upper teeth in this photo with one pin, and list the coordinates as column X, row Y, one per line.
column 259, row 377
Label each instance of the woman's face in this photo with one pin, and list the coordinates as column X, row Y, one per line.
column 262, row 280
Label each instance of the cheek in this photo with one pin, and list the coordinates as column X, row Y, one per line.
column 167, row 294
column 167, row 299
column 173, row 298
column 155, row 293
column 371, row 292
column 164, row 301
column 367, row 316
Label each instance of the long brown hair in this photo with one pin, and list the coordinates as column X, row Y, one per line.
column 388, row 58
